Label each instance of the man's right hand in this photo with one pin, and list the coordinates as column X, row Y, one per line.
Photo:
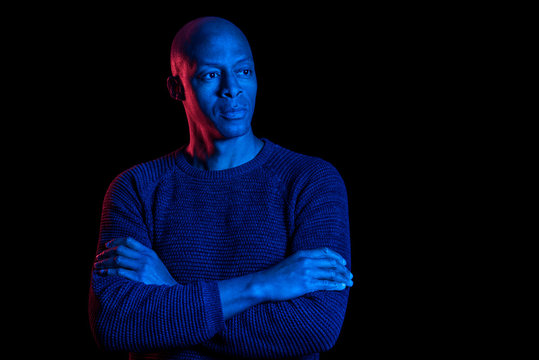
column 304, row 272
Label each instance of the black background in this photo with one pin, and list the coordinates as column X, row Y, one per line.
column 352, row 85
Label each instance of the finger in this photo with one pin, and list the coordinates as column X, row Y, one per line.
column 129, row 274
column 117, row 262
column 129, row 242
column 333, row 264
column 327, row 264
column 120, row 250
column 331, row 275
column 324, row 252
column 327, row 285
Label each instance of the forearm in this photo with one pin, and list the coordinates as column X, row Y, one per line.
column 302, row 273
column 282, row 329
column 132, row 316
column 239, row 294
column 279, row 308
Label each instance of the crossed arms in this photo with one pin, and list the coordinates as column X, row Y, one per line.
column 293, row 308
column 304, row 272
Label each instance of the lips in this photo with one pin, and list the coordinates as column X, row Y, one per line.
column 234, row 114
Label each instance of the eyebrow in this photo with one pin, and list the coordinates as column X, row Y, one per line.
column 245, row 59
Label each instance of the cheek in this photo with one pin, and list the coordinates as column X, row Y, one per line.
column 254, row 90
column 202, row 99
column 251, row 93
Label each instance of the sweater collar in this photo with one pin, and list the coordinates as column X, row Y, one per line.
column 225, row 174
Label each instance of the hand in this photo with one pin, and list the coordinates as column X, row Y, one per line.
column 128, row 258
column 304, row 272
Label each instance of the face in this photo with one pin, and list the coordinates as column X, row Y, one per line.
column 220, row 84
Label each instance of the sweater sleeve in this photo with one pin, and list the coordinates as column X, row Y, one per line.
column 131, row 316
column 311, row 323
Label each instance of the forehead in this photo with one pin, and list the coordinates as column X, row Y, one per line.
column 219, row 48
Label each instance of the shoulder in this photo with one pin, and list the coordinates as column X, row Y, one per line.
column 293, row 165
column 299, row 171
column 143, row 177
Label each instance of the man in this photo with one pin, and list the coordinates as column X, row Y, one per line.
column 231, row 246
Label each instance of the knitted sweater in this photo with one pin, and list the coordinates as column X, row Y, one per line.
column 207, row 226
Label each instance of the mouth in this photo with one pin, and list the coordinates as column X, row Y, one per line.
column 233, row 114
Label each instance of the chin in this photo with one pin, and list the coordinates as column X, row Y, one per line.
column 234, row 131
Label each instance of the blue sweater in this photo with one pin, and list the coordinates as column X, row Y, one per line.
column 208, row 226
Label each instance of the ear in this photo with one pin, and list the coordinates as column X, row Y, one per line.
column 175, row 88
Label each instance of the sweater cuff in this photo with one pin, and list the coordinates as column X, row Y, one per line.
column 213, row 311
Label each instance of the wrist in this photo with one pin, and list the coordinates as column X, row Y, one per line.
column 239, row 294
column 257, row 287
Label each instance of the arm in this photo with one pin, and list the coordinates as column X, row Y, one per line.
column 310, row 323
column 136, row 316
column 281, row 311
column 304, row 272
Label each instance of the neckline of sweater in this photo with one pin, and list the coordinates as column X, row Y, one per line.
column 224, row 174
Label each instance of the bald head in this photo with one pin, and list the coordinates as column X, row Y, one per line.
column 197, row 36
column 213, row 75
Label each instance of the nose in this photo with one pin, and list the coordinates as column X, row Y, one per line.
column 230, row 88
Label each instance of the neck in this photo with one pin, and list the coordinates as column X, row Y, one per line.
column 217, row 153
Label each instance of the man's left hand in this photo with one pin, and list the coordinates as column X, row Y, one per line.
column 129, row 258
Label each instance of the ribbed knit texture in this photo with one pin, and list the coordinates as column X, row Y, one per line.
column 208, row 226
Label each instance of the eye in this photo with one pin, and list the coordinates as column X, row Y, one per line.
column 245, row 73
column 210, row 76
